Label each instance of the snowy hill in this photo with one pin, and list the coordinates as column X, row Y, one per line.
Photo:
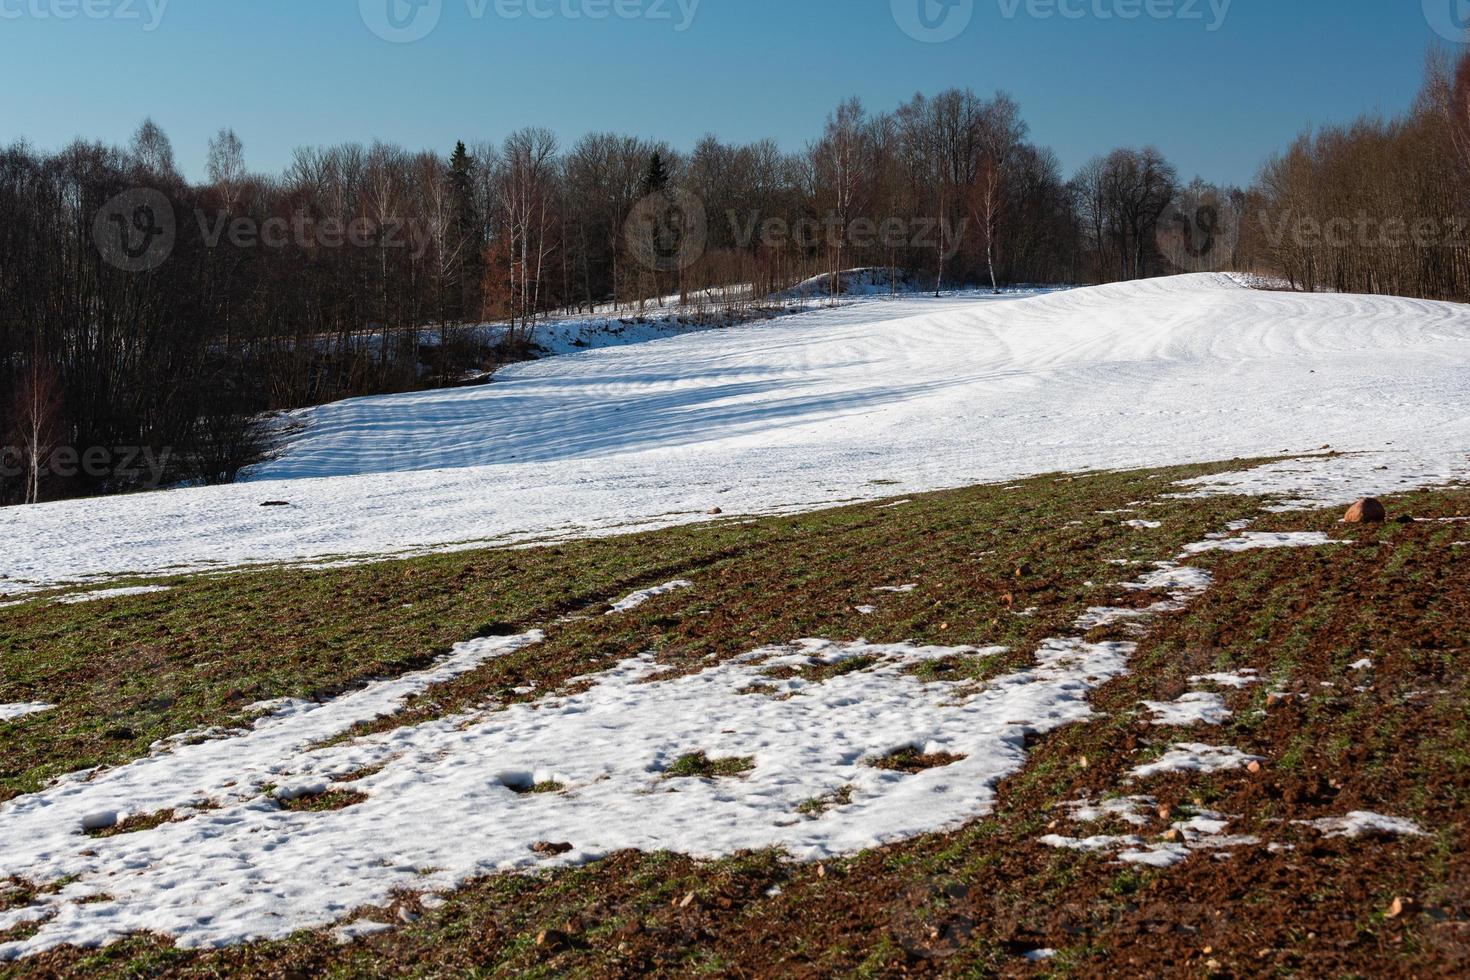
column 862, row 401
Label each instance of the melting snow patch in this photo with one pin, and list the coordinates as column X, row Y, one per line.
column 1098, row 616
column 1169, row 576
column 866, row 610
column 1039, row 955
column 361, row 929
column 1235, row 679
column 1157, row 856
column 1144, row 525
column 112, row 594
column 1194, row 757
column 1182, row 582
column 1365, row 664
column 1203, row 832
column 1192, row 709
column 10, row 712
column 1100, row 843
column 897, row 588
column 1361, row 824
column 1258, row 540
column 639, row 598
column 1129, row 809
column 438, row 810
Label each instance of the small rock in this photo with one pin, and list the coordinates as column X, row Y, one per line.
column 276, row 503
column 1253, row 768
column 101, row 820
column 1366, row 511
column 552, row 939
column 1400, row 907
column 688, row 901
column 551, row 849
column 715, row 511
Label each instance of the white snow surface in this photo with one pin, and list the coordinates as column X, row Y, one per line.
column 11, row 712
column 444, row 807
column 1236, row 679
column 1195, row 708
column 818, row 408
column 1361, row 823
column 1262, row 540
column 1195, row 757
column 100, row 594
column 1130, row 809
column 638, row 598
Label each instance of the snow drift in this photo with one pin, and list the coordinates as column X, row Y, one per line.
column 814, row 409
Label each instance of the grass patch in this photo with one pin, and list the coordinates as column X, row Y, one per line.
column 129, row 670
column 137, row 824
column 697, row 765
column 536, row 789
column 818, row 805
column 337, row 799
column 911, row 760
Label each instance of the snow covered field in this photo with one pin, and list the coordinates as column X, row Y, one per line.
column 450, row 799
column 872, row 399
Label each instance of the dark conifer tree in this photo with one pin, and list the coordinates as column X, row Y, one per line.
column 658, row 175
column 461, row 177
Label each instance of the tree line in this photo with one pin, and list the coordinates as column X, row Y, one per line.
column 149, row 322
column 1375, row 205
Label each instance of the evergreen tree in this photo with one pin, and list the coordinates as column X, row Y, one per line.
column 461, row 180
column 658, row 175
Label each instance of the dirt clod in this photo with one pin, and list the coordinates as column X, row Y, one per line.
column 1366, row 511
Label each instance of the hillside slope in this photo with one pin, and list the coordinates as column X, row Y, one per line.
column 819, row 408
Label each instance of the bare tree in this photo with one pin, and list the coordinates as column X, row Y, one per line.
column 1001, row 133
column 153, row 151
column 37, row 412
column 526, row 191
column 226, row 168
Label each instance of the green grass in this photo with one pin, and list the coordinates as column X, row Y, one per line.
column 127, row 671
column 697, row 765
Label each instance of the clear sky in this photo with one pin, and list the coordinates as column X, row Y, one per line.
column 1088, row 76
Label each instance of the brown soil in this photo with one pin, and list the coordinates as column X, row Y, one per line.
column 1395, row 740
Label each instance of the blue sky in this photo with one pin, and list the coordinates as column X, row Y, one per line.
column 289, row 72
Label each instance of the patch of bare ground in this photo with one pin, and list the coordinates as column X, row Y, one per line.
column 1336, row 736
column 911, row 761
